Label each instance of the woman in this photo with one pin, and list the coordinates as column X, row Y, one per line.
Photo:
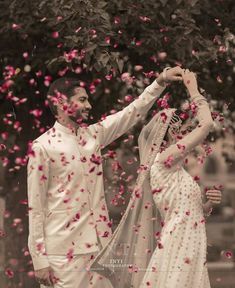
column 179, row 258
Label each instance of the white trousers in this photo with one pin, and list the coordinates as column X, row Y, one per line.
column 72, row 273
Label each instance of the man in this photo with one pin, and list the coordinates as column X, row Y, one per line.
column 68, row 217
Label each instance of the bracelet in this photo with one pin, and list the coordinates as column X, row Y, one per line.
column 209, row 213
column 164, row 74
column 195, row 96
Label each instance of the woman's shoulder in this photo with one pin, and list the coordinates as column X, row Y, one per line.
column 166, row 165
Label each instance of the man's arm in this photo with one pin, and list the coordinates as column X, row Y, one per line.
column 38, row 174
column 116, row 125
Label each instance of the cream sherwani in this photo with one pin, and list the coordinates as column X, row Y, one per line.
column 68, row 217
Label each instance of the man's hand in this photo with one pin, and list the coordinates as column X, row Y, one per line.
column 45, row 276
column 172, row 74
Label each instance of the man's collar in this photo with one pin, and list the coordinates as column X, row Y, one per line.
column 67, row 130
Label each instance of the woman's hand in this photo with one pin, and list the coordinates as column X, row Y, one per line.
column 214, row 196
column 190, row 82
column 172, row 74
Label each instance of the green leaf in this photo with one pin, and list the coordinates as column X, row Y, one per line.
column 120, row 64
column 193, row 2
column 164, row 2
column 91, row 47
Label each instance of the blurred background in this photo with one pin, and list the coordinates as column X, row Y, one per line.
column 115, row 48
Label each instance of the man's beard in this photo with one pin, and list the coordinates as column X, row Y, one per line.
column 78, row 118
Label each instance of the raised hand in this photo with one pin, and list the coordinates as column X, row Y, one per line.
column 170, row 75
column 190, row 81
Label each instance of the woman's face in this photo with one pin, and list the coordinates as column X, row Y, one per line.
column 179, row 131
column 186, row 128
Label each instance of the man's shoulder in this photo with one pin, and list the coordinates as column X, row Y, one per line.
column 44, row 138
column 94, row 129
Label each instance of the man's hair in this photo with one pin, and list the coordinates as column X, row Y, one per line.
column 64, row 86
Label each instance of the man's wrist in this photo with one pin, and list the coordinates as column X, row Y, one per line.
column 160, row 81
column 154, row 87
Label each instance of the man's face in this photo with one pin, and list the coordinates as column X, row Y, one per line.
column 78, row 106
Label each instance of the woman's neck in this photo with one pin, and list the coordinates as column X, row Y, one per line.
column 167, row 143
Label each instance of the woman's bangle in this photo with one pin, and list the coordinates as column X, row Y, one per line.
column 197, row 96
column 209, row 213
column 164, row 74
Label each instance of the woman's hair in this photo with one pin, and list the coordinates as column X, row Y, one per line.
column 183, row 117
column 65, row 86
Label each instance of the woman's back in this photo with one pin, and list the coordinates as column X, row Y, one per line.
column 175, row 190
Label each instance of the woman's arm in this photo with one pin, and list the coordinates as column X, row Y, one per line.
column 180, row 149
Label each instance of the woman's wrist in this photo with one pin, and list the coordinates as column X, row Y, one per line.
column 196, row 96
column 208, row 208
column 208, row 212
column 193, row 92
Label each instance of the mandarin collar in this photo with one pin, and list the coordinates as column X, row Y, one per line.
column 65, row 129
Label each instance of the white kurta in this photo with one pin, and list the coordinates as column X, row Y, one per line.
column 179, row 260
column 67, row 209
column 74, row 272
